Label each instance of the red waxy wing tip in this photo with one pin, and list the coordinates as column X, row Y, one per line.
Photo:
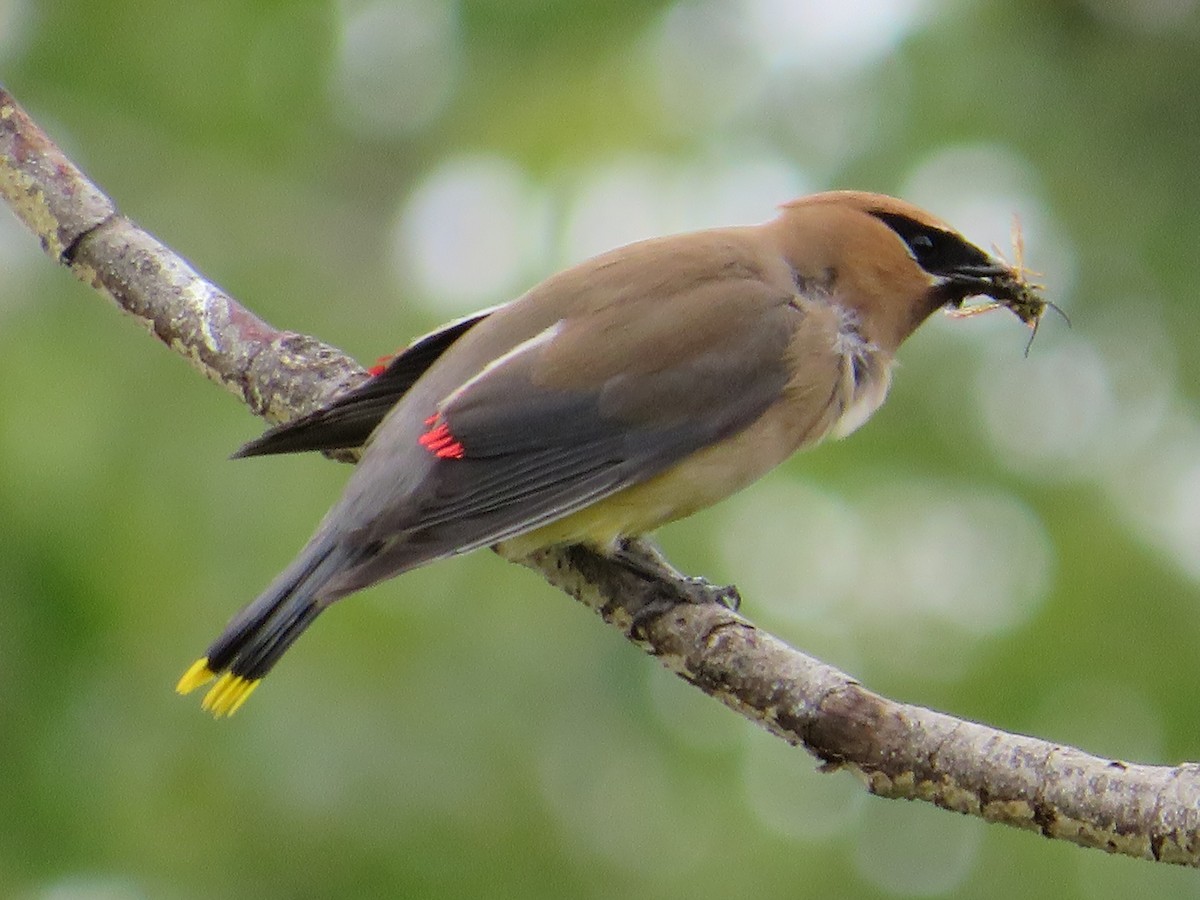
column 440, row 442
column 381, row 365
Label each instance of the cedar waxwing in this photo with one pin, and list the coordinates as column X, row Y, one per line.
column 630, row 390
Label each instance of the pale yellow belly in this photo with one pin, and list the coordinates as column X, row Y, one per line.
column 704, row 478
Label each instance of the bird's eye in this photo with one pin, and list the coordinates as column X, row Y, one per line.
column 929, row 247
column 935, row 251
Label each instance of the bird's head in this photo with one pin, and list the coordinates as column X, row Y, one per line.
column 893, row 263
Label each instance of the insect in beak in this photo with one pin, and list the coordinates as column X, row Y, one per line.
column 1013, row 289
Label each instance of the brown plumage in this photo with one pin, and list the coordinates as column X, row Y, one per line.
column 628, row 391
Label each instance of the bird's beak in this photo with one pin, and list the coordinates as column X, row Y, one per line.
column 1007, row 286
column 974, row 280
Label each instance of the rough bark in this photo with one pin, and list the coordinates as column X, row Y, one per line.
column 897, row 750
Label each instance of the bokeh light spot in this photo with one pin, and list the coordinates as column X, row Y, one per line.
column 977, row 560
column 15, row 25
column 690, row 715
column 469, row 234
column 916, row 850
column 817, row 36
column 1159, row 492
column 610, row 789
column 1149, row 16
column 797, row 549
column 1047, row 417
column 898, row 570
column 706, row 67
column 397, row 65
column 20, row 261
column 91, row 887
column 639, row 197
column 789, row 796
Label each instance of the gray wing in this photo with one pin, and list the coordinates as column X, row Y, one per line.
column 574, row 415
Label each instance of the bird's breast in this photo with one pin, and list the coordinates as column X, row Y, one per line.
column 841, row 380
column 866, row 375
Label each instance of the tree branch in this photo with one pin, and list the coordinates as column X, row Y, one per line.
column 897, row 750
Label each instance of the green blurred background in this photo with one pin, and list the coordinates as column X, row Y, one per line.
column 1015, row 540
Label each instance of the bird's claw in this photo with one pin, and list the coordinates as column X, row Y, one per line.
column 700, row 590
column 645, row 560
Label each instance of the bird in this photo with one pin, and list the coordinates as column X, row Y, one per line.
column 628, row 391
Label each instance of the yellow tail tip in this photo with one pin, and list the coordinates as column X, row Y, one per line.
column 197, row 675
column 226, row 696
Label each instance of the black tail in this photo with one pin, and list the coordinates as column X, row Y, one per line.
column 256, row 637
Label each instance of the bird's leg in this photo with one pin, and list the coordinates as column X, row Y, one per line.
column 641, row 557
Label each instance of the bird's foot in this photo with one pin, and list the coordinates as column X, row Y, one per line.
column 700, row 590
column 646, row 560
column 643, row 558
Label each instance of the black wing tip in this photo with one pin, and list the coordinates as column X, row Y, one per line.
column 286, row 438
column 307, row 435
column 273, row 444
column 253, row 448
